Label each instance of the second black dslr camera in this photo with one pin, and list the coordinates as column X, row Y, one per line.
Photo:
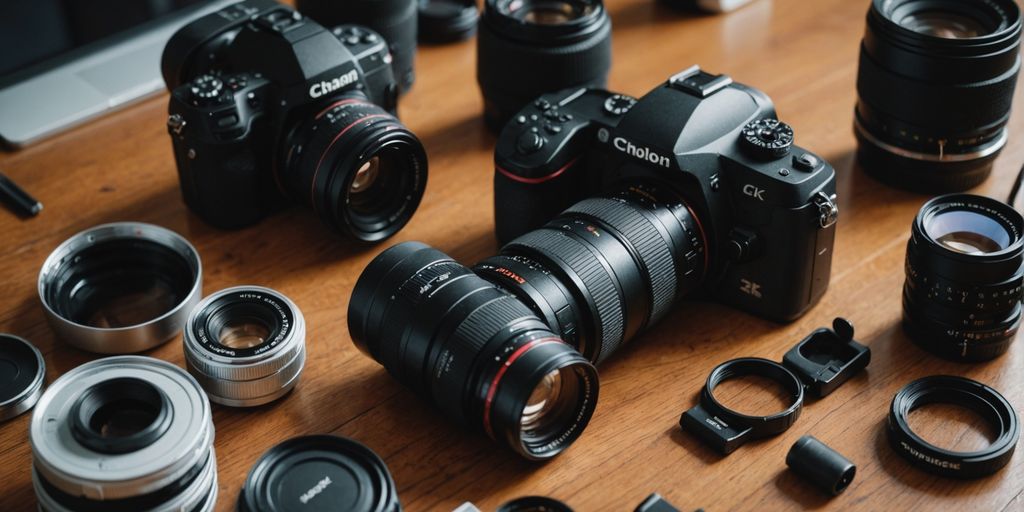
column 697, row 185
column 755, row 213
column 267, row 105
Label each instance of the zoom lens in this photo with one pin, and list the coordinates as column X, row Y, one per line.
column 124, row 434
column 935, row 87
column 606, row 268
column 962, row 297
column 478, row 353
column 393, row 19
column 530, row 47
column 120, row 288
column 246, row 345
column 358, row 167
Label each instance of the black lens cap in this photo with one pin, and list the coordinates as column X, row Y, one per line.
column 534, row 504
column 321, row 472
column 22, row 371
column 447, row 21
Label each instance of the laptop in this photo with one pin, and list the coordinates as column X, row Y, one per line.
column 63, row 62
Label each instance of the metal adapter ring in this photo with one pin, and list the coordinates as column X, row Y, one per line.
column 946, row 389
column 726, row 429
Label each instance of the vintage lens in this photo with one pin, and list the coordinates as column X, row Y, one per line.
column 606, row 268
column 358, row 167
column 120, row 288
column 124, row 433
column 962, row 297
column 393, row 19
column 526, row 48
column 246, row 345
column 935, row 86
column 477, row 352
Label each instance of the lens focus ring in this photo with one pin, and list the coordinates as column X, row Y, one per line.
column 649, row 243
column 598, row 284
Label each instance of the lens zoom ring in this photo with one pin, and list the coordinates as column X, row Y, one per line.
column 654, row 251
column 598, row 283
column 482, row 324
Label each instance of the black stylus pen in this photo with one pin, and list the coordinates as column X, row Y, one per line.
column 17, row 199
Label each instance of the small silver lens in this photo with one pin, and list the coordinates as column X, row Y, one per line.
column 246, row 345
column 124, row 427
column 120, row 288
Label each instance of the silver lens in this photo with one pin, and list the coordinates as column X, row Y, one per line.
column 120, row 288
column 100, row 440
column 246, row 345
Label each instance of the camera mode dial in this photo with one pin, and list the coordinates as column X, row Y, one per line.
column 768, row 138
column 206, row 90
column 619, row 104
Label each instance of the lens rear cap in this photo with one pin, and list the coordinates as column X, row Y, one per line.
column 22, row 371
column 322, row 472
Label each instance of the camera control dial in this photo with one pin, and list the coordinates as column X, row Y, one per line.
column 206, row 90
column 768, row 138
column 619, row 104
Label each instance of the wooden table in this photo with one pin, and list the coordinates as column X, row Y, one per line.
column 802, row 53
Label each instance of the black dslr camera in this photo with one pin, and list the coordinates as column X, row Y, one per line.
column 268, row 105
column 619, row 208
column 760, row 210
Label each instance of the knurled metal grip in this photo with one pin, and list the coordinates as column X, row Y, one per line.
column 585, row 266
column 640, row 233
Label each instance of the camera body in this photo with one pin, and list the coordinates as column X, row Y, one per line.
column 242, row 80
column 765, row 208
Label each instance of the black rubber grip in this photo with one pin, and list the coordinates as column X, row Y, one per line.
column 485, row 322
column 649, row 244
column 956, row 108
column 599, row 286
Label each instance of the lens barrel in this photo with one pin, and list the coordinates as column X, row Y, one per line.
column 396, row 20
column 606, row 268
column 526, row 48
column 246, row 345
column 474, row 350
column 358, row 167
column 962, row 297
column 124, row 433
column 120, row 288
column 935, row 87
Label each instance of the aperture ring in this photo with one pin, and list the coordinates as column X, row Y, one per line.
column 987, row 298
column 946, row 389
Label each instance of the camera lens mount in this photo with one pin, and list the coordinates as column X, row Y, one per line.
column 945, row 389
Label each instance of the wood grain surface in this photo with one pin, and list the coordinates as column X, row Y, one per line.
column 802, row 53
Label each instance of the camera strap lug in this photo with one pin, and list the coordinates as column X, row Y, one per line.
column 828, row 210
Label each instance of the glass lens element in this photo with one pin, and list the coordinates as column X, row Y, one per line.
column 968, row 232
column 944, row 24
column 242, row 333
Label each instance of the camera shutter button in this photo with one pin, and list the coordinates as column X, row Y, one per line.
column 530, row 142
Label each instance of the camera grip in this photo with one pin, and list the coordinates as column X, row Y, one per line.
column 522, row 204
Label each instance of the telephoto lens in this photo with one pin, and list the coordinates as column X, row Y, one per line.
column 526, row 48
column 358, row 167
column 606, row 268
column 962, row 297
column 393, row 19
column 124, row 433
column 474, row 350
column 935, row 87
column 246, row 346
column 120, row 288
